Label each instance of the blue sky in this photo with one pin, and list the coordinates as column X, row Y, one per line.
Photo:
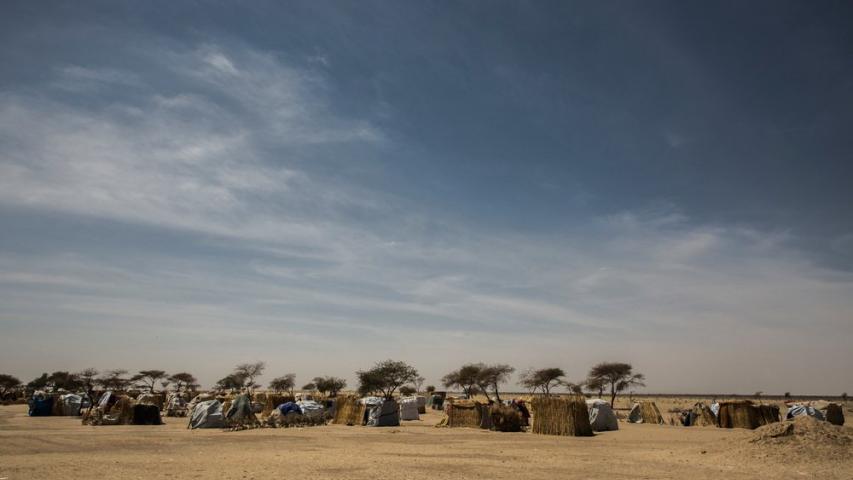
column 322, row 185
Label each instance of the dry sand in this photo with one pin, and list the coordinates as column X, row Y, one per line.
column 60, row 447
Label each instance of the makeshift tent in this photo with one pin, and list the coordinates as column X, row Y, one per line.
column 466, row 413
column 111, row 410
column 40, row 405
column 601, row 416
column 409, row 408
column 804, row 410
column 201, row 397
column 70, row 404
column 145, row 414
column 506, row 418
column 422, row 401
column 700, row 415
column 645, row 412
column 310, row 408
column 240, row 412
column 349, row 411
column 207, row 414
column 745, row 414
column 176, row 405
column 561, row 416
column 834, row 414
column 386, row 414
column 150, row 399
column 437, row 400
column 289, row 407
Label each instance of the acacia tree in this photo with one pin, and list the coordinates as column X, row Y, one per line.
column 148, row 378
column 465, row 378
column 284, row 384
column 419, row 382
column 114, row 379
column 618, row 376
column 543, row 379
column 595, row 385
column 330, row 385
column 8, row 384
column 491, row 376
column 183, row 381
column 231, row 382
column 385, row 378
column 309, row 387
column 250, row 371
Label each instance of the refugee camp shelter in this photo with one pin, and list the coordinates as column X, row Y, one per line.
column 349, row 410
column 700, row 415
column 240, row 412
column 384, row 414
column 560, row 416
column 69, row 404
column 207, row 414
column 645, row 412
column 40, row 405
column 409, row 408
column 798, row 410
column 601, row 416
column 466, row 414
column 745, row 414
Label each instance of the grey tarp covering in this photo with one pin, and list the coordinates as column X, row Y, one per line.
column 71, row 404
column 310, row 408
column 240, row 411
column 800, row 410
column 387, row 414
column 207, row 414
column 105, row 400
column 635, row 415
column 601, row 416
column 409, row 408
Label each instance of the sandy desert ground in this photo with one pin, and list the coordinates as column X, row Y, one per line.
column 60, row 447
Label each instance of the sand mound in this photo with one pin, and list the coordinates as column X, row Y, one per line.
column 803, row 432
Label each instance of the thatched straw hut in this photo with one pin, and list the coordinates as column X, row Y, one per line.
column 349, row 411
column 467, row 413
column 645, row 412
column 701, row 415
column 745, row 414
column 561, row 416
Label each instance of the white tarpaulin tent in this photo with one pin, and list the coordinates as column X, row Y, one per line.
column 601, row 416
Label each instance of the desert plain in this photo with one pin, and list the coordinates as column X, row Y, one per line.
column 60, row 447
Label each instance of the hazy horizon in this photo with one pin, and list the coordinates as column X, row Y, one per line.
column 324, row 185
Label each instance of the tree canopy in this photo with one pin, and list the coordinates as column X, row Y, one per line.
column 148, row 378
column 385, row 378
column 284, row 383
column 543, row 379
column 618, row 376
column 330, row 385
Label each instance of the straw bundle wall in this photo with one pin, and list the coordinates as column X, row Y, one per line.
column 348, row 411
column 561, row 416
column 745, row 414
column 464, row 414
